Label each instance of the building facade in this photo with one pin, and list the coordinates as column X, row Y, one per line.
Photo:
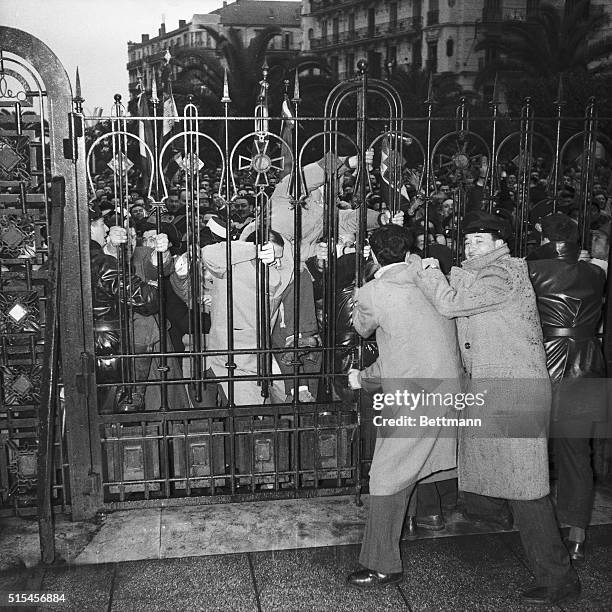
column 248, row 17
column 440, row 35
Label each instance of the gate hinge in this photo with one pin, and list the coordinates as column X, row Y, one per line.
column 75, row 130
column 83, row 377
column 94, row 484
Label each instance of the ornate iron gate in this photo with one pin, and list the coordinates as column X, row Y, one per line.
column 36, row 144
column 169, row 397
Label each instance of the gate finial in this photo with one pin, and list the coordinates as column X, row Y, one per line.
column 559, row 101
column 296, row 88
column 430, row 89
column 78, row 99
column 494, row 95
column 154, row 97
column 226, row 97
column 362, row 67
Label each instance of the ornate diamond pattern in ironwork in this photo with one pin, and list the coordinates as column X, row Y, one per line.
column 20, row 384
column 15, row 158
column 8, row 158
column 19, row 235
column 191, row 163
column 120, row 164
column 19, row 312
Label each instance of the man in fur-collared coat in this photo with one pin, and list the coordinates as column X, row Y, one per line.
column 417, row 348
column 500, row 338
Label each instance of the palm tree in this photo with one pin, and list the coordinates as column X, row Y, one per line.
column 202, row 70
column 413, row 86
column 551, row 43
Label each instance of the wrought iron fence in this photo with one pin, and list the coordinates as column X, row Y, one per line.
column 179, row 389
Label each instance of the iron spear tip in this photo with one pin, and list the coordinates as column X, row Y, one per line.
column 77, row 86
column 226, row 97
column 430, row 89
column 296, row 86
column 154, row 98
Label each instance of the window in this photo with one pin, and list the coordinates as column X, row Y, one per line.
column 336, row 30
column 393, row 15
column 417, row 9
column 491, row 55
column 432, row 56
column 351, row 25
column 350, row 64
column 450, row 47
column 333, row 62
column 288, row 40
column 324, row 28
column 417, row 55
column 310, row 34
column 371, row 22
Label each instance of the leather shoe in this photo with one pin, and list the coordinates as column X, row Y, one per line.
column 432, row 522
column 547, row 596
column 367, row 578
column 576, row 551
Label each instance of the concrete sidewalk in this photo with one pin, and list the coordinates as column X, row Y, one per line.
column 461, row 573
column 280, row 555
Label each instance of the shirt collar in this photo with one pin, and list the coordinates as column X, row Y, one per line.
column 382, row 270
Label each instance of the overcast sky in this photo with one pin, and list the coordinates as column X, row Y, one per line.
column 93, row 34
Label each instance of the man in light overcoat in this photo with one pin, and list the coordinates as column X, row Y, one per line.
column 493, row 302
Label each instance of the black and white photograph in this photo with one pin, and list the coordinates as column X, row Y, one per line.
column 304, row 305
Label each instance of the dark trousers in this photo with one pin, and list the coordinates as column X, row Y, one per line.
column 432, row 497
column 380, row 549
column 535, row 520
column 575, row 490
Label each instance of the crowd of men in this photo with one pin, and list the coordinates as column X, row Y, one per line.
column 495, row 317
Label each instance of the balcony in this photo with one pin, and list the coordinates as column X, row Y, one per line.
column 399, row 28
column 322, row 6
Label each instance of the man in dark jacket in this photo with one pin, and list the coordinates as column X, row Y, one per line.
column 108, row 290
column 569, row 297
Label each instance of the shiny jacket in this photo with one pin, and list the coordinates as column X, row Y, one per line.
column 105, row 285
column 105, row 277
column 569, row 298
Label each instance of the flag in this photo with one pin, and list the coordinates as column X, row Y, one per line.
column 145, row 133
column 391, row 163
column 170, row 112
column 168, row 104
column 286, row 134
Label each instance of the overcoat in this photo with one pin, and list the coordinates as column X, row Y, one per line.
column 414, row 343
column 493, row 302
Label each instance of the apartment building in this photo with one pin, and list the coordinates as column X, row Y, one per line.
column 440, row 35
column 248, row 17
